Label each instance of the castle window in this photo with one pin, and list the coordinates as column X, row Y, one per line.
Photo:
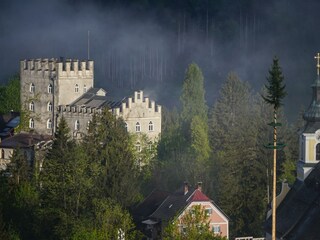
column 49, row 88
column 32, row 88
column 2, row 154
column 150, row 126
column 126, row 126
column 318, row 152
column 31, row 106
column 138, row 147
column 49, row 124
column 77, row 125
column 88, row 124
column 31, row 123
column 138, row 95
column 150, row 146
column 49, row 107
column 84, row 88
column 138, row 127
column 76, row 88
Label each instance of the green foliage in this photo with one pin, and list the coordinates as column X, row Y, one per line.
column 194, row 224
column 275, row 88
column 10, row 96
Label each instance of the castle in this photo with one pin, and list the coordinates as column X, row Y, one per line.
column 52, row 88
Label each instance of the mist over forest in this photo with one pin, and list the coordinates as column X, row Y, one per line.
column 148, row 44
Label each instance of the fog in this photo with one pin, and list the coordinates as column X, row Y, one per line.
column 146, row 48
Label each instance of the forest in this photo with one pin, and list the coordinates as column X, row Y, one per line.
column 86, row 189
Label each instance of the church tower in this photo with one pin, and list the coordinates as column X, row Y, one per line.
column 310, row 137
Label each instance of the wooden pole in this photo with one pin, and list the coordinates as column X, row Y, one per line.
column 274, row 202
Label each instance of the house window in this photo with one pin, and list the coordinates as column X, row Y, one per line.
column 150, row 126
column 49, row 107
column 49, row 124
column 138, row 127
column 32, row 88
column 2, row 154
column 77, row 125
column 208, row 211
column 84, row 88
column 138, row 147
column 318, row 152
column 216, row 229
column 31, row 123
column 31, row 106
column 76, row 88
column 49, row 88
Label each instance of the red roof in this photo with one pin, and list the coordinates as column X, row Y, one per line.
column 198, row 196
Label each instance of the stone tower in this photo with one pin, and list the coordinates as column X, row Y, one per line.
column 48, row 83
column 310, row 137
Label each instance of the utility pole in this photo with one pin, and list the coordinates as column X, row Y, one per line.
column 275, row 94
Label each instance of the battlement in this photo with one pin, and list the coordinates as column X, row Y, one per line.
column 68, row 67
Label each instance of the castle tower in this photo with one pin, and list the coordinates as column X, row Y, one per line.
column 48, row 83
column 310, row 137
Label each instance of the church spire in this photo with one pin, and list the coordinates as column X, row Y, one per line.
column 313, row 112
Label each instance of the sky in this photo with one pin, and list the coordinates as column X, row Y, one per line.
column 149, row 49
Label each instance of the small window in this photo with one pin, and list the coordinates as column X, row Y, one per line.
column 126, row 126
column 318, row 152
column 76, row 88
column 49, row 88
column 150, row 126
column 216, row 229
column 31, row 123
column 138, row 127
column 49, row 124
column 32, row 88
column 2, row 154
column 138, row 147
column 138, row 95
column 84, row 88
column 150, row 146
column 208, row 211
column 31, row 106
column 77, row 125
column 49, row 107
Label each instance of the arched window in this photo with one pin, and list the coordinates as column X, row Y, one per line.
column 76, row 88
column 49, row 88
column 150, row 126
column 49, row 124
column 138, row 127
column 318, row 152
column 138, row 147
column 126, row 126
column 77, row 125
column 49, row 107
column 150, row 146
column 88, row 124
column 2, row 154
column 32, row 88
column 31, row 106
column 31, row 123
column 84, row 88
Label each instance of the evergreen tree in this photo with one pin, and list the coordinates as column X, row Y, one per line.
column 10, row 96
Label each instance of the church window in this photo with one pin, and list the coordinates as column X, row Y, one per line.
column 49, row 88
column 2, row 154
column 49, row 107
column 31, row 123
column 318, row 152
column 76, row 88
column 138, row 127
column 84, row 88
column 32, row 88
column 49, row 124
column 31, row 106
column 77, row 125
column 150, row 126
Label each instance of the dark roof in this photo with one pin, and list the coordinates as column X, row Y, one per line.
column 24, row 140
column 299, row 212
column 91, row 99
column 311, row 127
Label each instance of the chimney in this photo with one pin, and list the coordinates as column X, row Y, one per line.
column 200, row 186
column 186, row 188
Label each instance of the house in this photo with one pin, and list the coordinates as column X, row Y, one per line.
column 29, row 144
column 161, row 207
column 298, row 212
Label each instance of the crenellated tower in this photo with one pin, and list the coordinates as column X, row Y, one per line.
column 48, row 83
column 310, row 137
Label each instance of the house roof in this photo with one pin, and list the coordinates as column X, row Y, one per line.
column 298, row 215
column 24, row 140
